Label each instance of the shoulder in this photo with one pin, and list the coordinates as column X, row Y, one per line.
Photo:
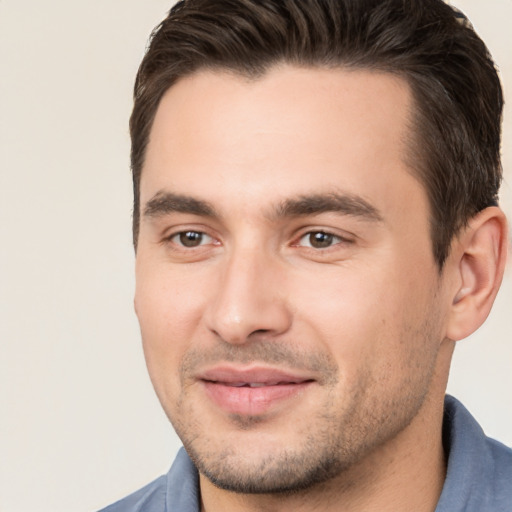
column 501, row 456
column 178, row 491
column 495, row 468
column 151, row 498
column 463, row 431
column 479, row 469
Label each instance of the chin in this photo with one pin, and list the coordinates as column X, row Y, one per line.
column 279, row 473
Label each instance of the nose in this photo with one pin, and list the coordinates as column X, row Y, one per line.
column 250, row 300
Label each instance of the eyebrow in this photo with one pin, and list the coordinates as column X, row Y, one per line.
column 346, row 204
column 164, row 203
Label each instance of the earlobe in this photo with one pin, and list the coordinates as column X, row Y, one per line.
column 480, row 253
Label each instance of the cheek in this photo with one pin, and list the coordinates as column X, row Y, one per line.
column 167, row 302
column 363, row 320
column 168, row 310
column 343, row 304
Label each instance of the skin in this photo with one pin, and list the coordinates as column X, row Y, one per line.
column 349, row 300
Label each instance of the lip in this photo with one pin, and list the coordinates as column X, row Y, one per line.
column 252, row 391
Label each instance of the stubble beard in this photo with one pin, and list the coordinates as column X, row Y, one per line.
column 331, row 443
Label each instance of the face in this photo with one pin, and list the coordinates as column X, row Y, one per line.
column 289, row 303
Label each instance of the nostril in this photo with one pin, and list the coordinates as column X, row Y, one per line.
column 259, row 331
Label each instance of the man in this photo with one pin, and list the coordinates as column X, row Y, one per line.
column 316, row 224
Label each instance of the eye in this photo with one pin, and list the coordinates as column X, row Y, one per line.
column 191, row 239
column 319, row 240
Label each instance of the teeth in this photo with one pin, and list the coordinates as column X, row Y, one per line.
column 252, row 384
column 249, row 384
column 256, row 384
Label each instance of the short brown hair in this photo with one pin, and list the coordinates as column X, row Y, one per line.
column 457, row 122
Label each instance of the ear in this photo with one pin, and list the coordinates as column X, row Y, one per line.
column 478, row 260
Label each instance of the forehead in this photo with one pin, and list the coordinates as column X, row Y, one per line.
column 292, row 131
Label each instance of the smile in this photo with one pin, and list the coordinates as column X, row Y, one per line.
column 255, row 391
column 256, row 384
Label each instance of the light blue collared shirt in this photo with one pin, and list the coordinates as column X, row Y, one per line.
column 478, row 478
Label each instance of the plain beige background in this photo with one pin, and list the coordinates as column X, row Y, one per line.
column 79, row 423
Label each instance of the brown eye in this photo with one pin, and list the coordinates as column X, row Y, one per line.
column 191, row 238
column 319, row 240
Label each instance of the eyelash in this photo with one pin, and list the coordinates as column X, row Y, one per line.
column 332, row 240
column 177, row 238
column 321, row 235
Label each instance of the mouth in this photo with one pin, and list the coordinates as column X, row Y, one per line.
column 255, row 384
column 253, row 391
